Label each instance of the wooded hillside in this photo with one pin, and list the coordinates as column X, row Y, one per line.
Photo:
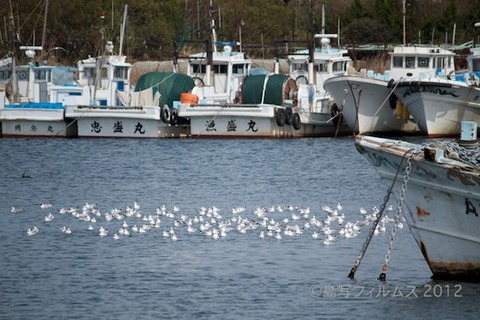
column 77, row 28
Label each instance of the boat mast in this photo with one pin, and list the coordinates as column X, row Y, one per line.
column 44, row 30
column 212, row 27
column 210, row 79
column 13, row 74
column 123, row 29
column 403, row 11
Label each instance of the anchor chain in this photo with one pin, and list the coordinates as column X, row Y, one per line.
column 398, row 215
column 378, row 217
column 351, row 275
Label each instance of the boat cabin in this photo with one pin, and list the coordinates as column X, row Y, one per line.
column 474, row 61
column 327, row 62
column 98, row 79
column 31, row 82
column 226, row 72
column 421, row 62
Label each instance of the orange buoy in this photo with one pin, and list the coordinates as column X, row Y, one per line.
column 188, row 98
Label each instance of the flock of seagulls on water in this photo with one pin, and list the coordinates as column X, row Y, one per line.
column 276, row 222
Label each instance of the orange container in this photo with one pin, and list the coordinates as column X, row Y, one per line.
column 188, row 98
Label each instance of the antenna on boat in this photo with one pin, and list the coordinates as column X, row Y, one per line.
column 212, row 26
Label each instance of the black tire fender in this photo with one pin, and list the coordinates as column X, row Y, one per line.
column 165, row 114
column 288, row 115
column 296, row 121
column 280, row 116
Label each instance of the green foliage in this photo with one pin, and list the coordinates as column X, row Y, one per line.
column 154, row 25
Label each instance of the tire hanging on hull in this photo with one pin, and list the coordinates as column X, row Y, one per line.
column 288, row 115
column 165, row 113
column 296, row 121
column 280, row 116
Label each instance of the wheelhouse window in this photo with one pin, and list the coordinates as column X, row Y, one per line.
column 339, row 66
column 120, row 73
column 104, row 73
column 476, row 65
column 410, row 62
column 321, row 67
column 423, row 62
column 299, row 66
column 443, row 62
column 239, row 69
column 199, row 68
column 4, row 75
column 22, row 75
column 219, row 69
column 43, row 75
column 89, row 73
column 398, row 62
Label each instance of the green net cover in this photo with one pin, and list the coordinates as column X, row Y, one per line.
column 253, row 88
column 170, row 85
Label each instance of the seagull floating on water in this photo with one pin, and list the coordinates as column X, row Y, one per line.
column 16, row 210
column 33, row 231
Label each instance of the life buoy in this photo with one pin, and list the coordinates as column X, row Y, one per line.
column 390, row 83
column 165, row 114
column 288, row 115
column 280, row 116
column 296, row 121
column 174, row 117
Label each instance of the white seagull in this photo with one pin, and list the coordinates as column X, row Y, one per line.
column 33, row 231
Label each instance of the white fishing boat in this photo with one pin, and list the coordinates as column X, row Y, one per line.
column 264, row 110
column 313, row 66
column 367, row 99
column 441, row 199
column 437, row 98
column 103, row 104
column 25, row 108
column 235, row 103
column 310, row 70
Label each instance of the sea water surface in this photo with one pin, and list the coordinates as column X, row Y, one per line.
column 205, row 229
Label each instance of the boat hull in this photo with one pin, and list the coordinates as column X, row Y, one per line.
column 440, row 107
column 255, row 122
column 441, row 206
column 371, row 97
column 114, row 122
column 33, row 122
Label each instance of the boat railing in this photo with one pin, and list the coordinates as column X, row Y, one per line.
column 110, row 108
column 232, row 105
